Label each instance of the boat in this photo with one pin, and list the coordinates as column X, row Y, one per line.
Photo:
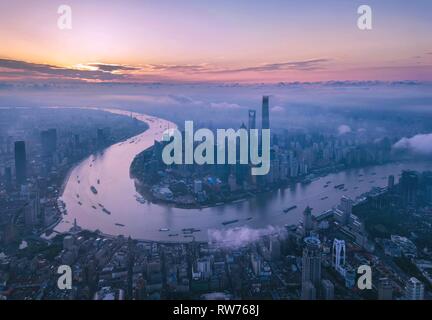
column 98, row 181
column 100, row 205
column 323, row 198
column 326, row 186
column 94, row 207
column 93, row 189
column 163, row 229
column 229, row 222
column 289, row 209
column 250, row 218
column 106, row 211
column 80, row 203
column 339, row 186
column 173, row 235
column 190, row 230
column 119, row 224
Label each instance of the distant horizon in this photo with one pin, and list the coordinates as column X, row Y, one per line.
column 171, row 82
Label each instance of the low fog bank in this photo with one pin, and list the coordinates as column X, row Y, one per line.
column 242, row 236
column 420, row 144
column 341, row 108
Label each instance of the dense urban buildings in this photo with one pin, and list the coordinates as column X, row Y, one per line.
column 314, row 259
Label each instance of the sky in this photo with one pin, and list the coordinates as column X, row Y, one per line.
column 208, row 40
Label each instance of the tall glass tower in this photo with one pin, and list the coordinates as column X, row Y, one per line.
column 265, row 113
column 20, row 162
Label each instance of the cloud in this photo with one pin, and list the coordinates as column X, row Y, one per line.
column 420, row 143
column 225, row 105
column 343, row 129
column 35, row 69
column 112, row 67
column 240, row 237
column 188, row 68
column 277, row 109
column 304, row 65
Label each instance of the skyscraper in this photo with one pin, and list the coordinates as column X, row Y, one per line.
column 414, row 289
column 252, row 119
column 338, row 255
column 346, row 206
column 427, row 177
column 265, row 113
column 385, row 289
column 409, row 185
column 49, row 141
column 8, row 178
column 275, row 249
column 391, row 181
column 311, row 268
column 20, row 162
column 32, row 210
column 327, row 288
column 307, row 221
column 308, row 291
column 311, row 261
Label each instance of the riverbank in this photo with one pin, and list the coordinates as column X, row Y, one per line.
column 144, row 220
column 70, row 170
column 176, row 187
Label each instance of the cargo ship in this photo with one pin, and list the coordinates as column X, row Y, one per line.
column 229, row 222
column 289, row 209
column 190, row 230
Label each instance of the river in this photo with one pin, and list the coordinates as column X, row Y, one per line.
column 125, row 215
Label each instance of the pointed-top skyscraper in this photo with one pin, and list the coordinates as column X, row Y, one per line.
column 265, row 113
